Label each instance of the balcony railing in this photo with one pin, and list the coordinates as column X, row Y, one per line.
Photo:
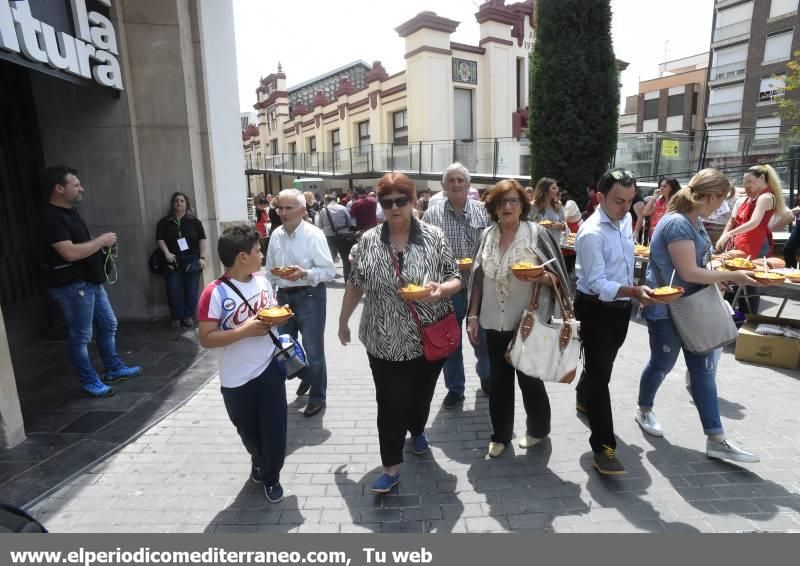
column 491, row 158
column 729, row 71
column 732, row 30
column 724, row 108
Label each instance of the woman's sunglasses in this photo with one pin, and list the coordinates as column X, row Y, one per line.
column 387, row 203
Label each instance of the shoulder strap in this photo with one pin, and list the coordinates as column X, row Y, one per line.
column 236, row 290
column 330, row 219
column 409, row 306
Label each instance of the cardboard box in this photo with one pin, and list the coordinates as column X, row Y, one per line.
column 777, row 351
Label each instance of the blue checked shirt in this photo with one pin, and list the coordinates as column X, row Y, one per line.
column 462, row 232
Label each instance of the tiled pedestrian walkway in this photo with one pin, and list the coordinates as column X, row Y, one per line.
column 67, row 430
column 189, row 472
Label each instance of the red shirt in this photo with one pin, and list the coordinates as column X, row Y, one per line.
column 363, row 211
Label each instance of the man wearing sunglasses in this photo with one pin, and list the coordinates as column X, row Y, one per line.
column 462, row 220
column 604, row 266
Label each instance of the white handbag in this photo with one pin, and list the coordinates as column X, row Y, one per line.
column 550, row 351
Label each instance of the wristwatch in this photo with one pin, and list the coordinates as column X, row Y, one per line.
column 304, row 276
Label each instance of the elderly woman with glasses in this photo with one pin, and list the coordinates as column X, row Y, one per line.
column 398, row 252
column 497, row 301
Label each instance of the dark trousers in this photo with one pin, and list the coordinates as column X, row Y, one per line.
column 332, row 246
column 258, row 411
column 403, row 391
column 501, row 398
column 263, row 244
column 603, row 331
column 344, row 247
column 792, row 246
column 183, row 288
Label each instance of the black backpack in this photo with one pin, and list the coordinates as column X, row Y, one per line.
column 15, row 520
column 157, row 262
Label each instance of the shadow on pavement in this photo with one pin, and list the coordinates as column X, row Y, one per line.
column 250, row 512
column 67, row 430
column 721, row 488
column 423, row 501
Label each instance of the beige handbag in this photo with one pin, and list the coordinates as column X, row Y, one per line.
column 547, row 350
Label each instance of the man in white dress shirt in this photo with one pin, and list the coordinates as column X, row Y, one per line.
column 302, row 247
column 604, row 266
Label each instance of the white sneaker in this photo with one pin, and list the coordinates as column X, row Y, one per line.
column 727, row 450
column 528, row 441
column 647, row 421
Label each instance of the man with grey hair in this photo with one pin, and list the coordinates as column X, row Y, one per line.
column 462, row 220
column 302, row 249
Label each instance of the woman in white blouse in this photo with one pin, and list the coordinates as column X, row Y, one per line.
column 497, row 301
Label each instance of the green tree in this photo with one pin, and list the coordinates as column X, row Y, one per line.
column 574, row 93
column 789, row 103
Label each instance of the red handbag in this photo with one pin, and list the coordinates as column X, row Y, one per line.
column 439, row 339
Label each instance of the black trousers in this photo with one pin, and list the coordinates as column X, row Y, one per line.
column 501, row 398
column 603, row 331
column 258, row 410
column 344, row 247
column 403, row 391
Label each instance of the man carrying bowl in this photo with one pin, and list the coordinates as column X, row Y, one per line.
column 298, row 265
column 462, row 220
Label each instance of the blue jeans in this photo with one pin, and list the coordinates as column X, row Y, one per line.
column 308, row 305
column 454, row 377
column 182, row 291
column 84, row 304
column 665, row 344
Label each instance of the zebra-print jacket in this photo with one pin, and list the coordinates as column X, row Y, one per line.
column 387, row 329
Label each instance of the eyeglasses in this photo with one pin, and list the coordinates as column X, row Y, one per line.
column 509, row 202
column 622, row 175
column 387, row 203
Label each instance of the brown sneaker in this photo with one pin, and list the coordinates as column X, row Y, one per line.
column 606, row 462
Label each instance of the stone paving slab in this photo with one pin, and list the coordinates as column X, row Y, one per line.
column 67, row 430
column 189, row 473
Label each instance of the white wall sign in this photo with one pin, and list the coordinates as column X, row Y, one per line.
column 92, row 53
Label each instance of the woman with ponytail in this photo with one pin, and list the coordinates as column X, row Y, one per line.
column 681, row 243
column 749, row 227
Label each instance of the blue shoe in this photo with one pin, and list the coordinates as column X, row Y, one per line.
column 385, row 483
column 255, row 474
column 274, row 492
column 121, row 374
column 97, row 389
column 419, row 444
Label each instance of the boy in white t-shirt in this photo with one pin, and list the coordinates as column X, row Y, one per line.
column 253, row 385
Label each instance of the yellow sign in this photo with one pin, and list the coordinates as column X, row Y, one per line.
column 670, row 148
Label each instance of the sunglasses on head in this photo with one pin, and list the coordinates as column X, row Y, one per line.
column 622, row 175
column 387, row 203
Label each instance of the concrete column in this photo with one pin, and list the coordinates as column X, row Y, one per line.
column 12, row 430
column 217, row 50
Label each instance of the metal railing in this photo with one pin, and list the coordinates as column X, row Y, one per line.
column 649, row 155
column 680, row 154
column 729, row 71
column 486, row 158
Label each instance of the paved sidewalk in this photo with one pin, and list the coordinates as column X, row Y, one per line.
column 189, row 473
column 68, row 430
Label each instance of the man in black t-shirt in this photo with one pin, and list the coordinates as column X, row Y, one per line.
column 74, row 272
